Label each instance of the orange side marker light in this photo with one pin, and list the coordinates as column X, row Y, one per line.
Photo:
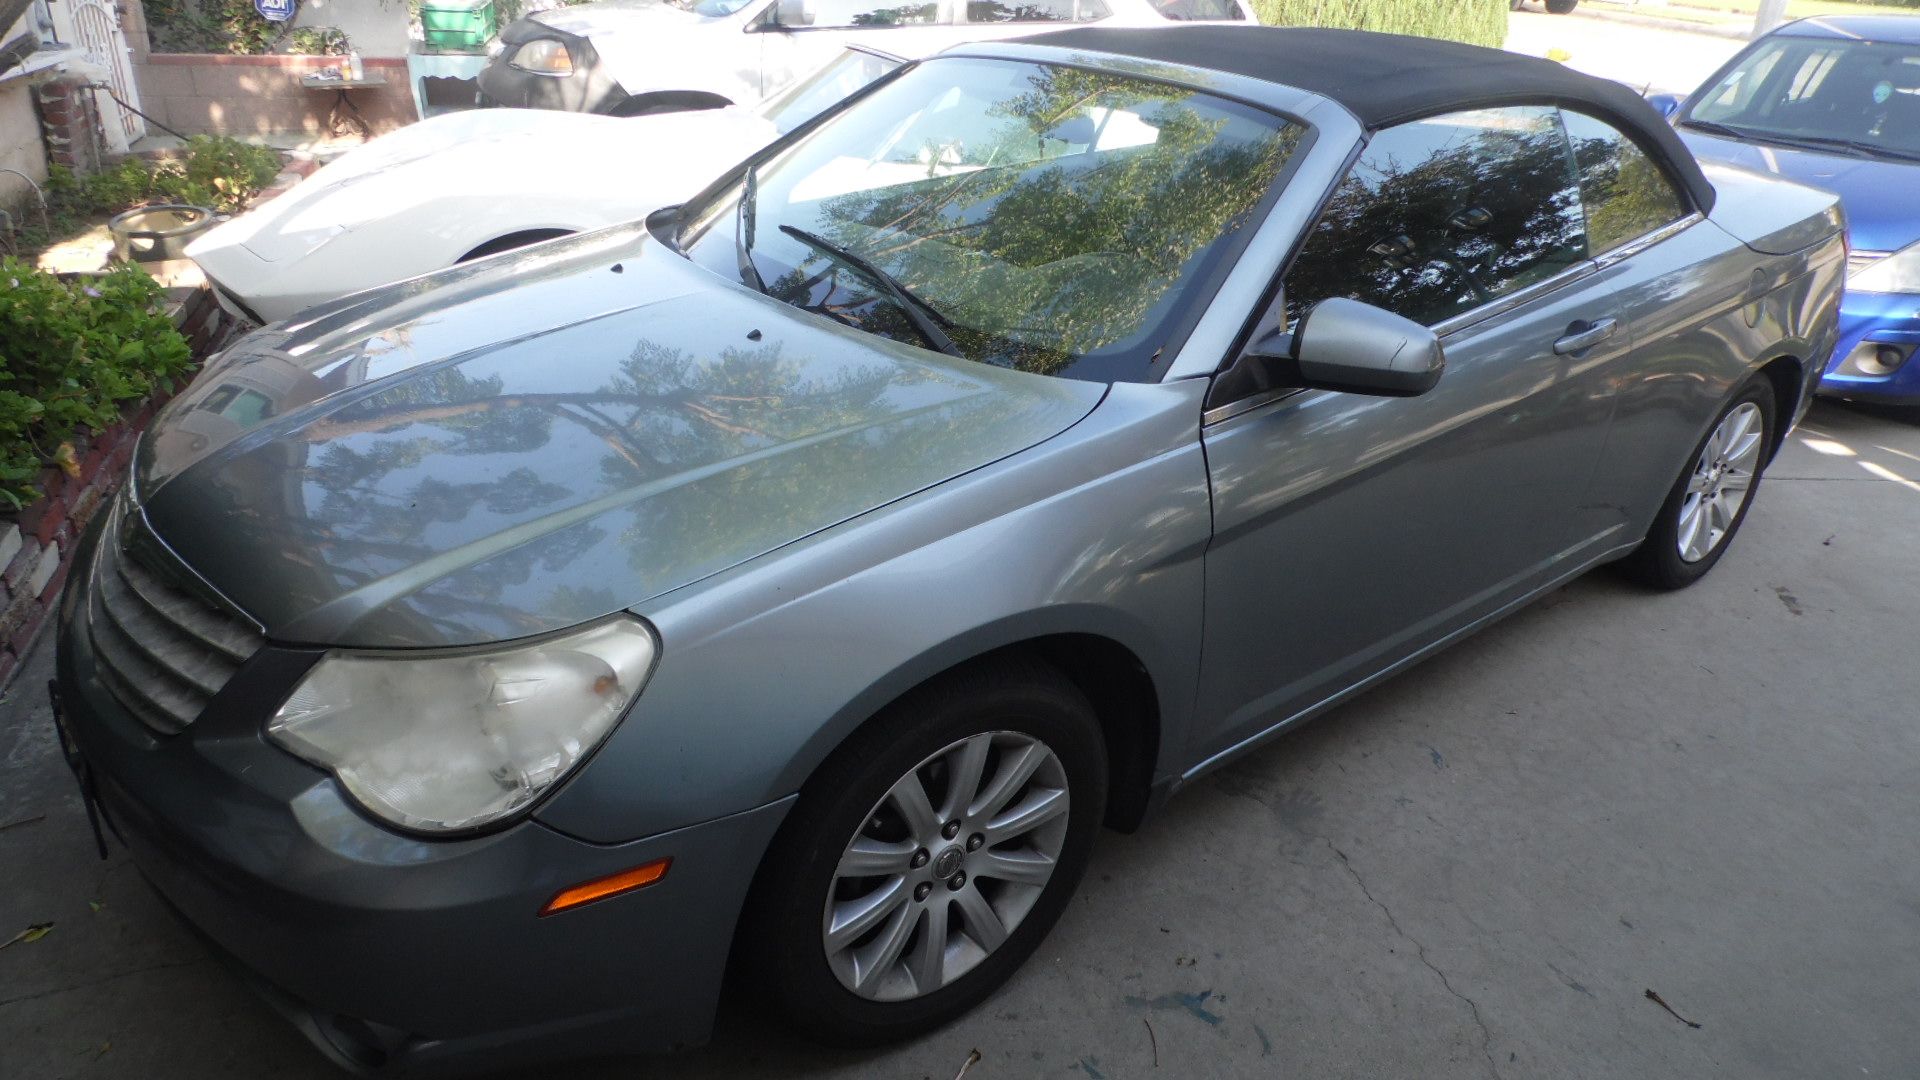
column 625, row 881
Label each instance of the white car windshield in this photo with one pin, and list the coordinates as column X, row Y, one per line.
column 712, row 9
column 812, row 95
column 1050, row 219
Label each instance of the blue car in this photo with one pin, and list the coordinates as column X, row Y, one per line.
column 1834, row 102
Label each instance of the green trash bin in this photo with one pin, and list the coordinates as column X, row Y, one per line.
column 465, row 25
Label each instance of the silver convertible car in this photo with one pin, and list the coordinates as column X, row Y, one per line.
column 795, row 581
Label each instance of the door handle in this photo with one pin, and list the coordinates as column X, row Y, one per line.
column 1584, row 335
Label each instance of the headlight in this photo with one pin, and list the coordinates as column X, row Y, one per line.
column 1897, row 273
column 454, row 740
column 543, row 56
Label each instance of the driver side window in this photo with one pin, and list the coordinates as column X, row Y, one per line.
column 1443, row 215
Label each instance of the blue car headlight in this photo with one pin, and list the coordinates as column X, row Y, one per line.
column 1897, row 273
column 450, row 741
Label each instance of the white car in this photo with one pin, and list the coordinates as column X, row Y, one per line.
column 464, row 185
column 633, row 57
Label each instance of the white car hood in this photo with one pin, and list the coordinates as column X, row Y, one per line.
column 529, row 157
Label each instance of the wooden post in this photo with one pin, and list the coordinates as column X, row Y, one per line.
column 1769, row 16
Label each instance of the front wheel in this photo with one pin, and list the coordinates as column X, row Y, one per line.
column 1712, row 496
column 928, row 858
column 1561, row 7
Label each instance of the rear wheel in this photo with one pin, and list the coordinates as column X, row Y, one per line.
column 1712, row 496
column 928, row 858
column 1560, row 7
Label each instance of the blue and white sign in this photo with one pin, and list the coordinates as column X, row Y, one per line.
column 276, row 10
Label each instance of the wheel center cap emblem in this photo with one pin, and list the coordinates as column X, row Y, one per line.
column 947, row 863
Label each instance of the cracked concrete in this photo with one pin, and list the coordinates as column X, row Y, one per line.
column 1702, row 794
column 1486, row 1036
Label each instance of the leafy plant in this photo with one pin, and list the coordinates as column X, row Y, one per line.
column 216, row 171
column 315, row 41
column 70, row 353
column 1478, row 22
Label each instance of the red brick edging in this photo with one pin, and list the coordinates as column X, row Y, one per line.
column 36, row 544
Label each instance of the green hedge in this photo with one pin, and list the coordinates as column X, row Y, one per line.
column 71, row 352
column 1479, row 22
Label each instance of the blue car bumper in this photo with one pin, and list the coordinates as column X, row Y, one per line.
column 1871, row 323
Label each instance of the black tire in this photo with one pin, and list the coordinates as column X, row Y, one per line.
column 783, row 958
column 1656, row 563
column 1561, row 7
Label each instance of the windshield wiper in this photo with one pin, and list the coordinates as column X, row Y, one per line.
column 1858, row 146
column 918, row 311
column 743, row 229
column 1715, row 127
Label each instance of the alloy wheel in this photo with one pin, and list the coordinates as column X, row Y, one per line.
column 1721, row 479
column 946, row 865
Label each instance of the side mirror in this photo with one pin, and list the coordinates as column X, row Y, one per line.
column 1664, row 104
column 793, row 13
column 1357, row 348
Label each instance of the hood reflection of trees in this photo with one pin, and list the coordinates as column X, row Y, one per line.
column 662, row 412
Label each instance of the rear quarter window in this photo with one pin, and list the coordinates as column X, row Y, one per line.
column 1625, row 193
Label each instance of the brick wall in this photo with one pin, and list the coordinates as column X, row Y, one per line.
column 70, row 121
column 36, row 545
column 258, row 95
column 37, row 548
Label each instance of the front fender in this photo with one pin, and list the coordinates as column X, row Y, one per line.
column 767, row 668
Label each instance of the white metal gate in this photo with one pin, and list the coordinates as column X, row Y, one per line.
column 94, row 26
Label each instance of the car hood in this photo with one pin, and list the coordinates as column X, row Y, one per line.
column 523, row 445
column 1881, row 214
column 631, row 166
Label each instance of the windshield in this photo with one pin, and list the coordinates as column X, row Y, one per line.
column 1862, row 95
column 810, row 97
column 712, row 9
column 1048, row 219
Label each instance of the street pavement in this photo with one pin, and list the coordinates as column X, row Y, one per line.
column 1646, row 58
column 1479, row 869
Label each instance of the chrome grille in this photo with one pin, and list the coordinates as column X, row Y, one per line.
column 161, row 651
column 1860, row 260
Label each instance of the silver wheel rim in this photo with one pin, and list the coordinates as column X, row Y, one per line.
column 946, row 866
column 1721, row 479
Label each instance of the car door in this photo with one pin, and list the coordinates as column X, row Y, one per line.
column 1687, row 288
column 1352, row 532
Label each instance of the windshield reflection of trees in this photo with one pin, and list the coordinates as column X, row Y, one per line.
column 1065, row 251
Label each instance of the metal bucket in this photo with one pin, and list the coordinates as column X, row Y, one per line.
column 158, row 233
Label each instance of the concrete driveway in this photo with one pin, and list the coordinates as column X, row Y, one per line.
column 1478, row 869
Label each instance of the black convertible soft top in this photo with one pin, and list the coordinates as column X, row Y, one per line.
column 1386, row 79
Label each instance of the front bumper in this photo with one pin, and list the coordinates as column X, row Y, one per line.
column 254, row 289
column 394, row 953
column 1880, row 319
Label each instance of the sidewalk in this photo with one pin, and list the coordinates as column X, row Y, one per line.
column 1724, row 24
